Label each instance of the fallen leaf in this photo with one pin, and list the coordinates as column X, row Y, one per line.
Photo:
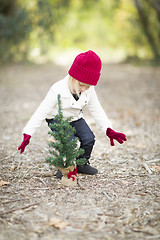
column 156, row 168
column 2, row 183
column 137, row 123
column 55, row 222
column 48, row 174
column 13, row 168
column 124, row 182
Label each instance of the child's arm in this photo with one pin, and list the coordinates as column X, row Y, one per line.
column 102, row 120
column 98, row 112
column 36, row 120
column 46, row 107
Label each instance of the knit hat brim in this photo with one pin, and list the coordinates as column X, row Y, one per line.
column 84, row 75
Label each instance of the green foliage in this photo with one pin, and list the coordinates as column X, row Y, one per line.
column 14, row 30
column 64, row 151
column 25, row 25
column 113, row 25
column 130, row 28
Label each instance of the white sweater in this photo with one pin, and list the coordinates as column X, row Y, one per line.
column 70, row 107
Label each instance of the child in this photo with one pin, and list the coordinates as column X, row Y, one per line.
column 77, row 91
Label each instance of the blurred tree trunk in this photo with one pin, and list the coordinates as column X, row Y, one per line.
column 7, row 7
column 144, row 19
column 156, row 5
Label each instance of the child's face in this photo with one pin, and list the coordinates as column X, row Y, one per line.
column 83, row 87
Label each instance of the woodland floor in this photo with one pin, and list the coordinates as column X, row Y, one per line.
column 122, row 201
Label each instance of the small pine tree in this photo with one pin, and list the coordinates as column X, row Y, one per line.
column 64, row 151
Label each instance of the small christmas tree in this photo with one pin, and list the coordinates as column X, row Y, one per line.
column 64, row 151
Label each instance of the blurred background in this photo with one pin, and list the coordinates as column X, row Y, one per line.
column 53, row 30
column 38, row 41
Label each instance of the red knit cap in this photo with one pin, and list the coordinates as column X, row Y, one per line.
column 86, row 68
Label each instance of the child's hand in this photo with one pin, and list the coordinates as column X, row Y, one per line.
column 25, row 142
column 120, row 137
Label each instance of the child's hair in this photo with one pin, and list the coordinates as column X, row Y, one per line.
column 74, row 86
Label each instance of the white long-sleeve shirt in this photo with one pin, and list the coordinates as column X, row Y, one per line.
column 70, row 107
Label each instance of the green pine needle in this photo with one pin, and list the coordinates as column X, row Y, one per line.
column 63, row 152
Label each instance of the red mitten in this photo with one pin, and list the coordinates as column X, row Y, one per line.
column 25, row 142
column 120, row 137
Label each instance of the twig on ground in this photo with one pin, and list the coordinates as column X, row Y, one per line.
column 39, row 189
column 14, row 153
column 14, row 210
column 153, row 237
column 109, row 198
column 154, row 160
column 83, row 188
column 147, row 167
column 65, row 197
column 40, row 180
column 16, row 200
column 20, row 162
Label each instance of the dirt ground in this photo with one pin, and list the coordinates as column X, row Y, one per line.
column 122, row 201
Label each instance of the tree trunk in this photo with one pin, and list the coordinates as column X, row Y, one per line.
column 145, row 24
column 157, row 9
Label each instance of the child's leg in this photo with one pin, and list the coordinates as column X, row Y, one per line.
column 85, row 136
column 87, row 140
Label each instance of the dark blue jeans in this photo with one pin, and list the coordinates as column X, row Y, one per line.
column 84, row 134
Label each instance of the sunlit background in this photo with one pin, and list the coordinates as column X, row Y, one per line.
column 55, row 30
column 38, row 41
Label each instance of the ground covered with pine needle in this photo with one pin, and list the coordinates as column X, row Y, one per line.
column 122, row 201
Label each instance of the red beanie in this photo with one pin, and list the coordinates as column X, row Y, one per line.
column 86, row 68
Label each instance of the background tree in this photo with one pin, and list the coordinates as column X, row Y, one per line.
column 117, row 28
column 149, row 16
column 15, row 27
column 28, row 24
